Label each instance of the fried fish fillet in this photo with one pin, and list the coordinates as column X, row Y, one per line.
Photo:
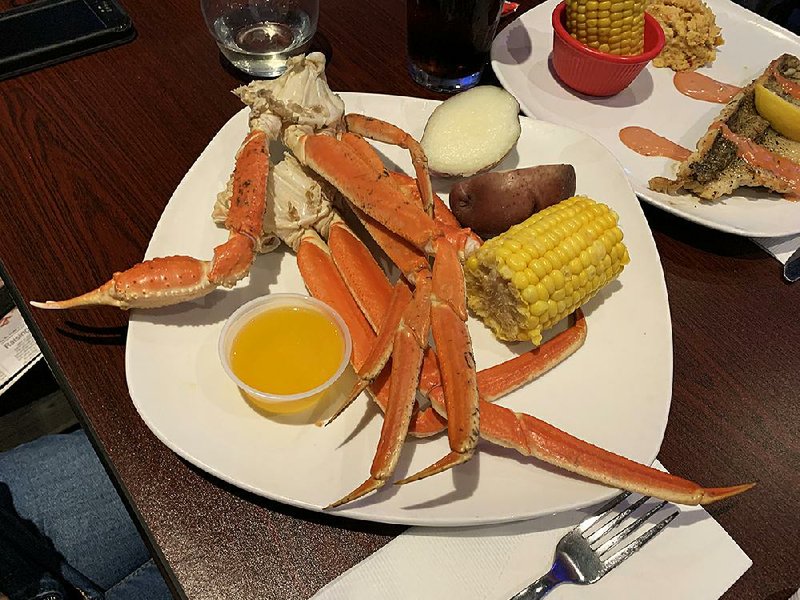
column 715, row 168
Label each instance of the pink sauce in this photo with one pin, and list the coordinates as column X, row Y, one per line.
column 787, row 85
column 702, row 87
column 648, row 143
column 759, row 157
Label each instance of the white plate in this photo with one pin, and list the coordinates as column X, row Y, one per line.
column 614, row 392
column 520, row 58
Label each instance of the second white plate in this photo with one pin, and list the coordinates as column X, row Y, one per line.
column 521, row 60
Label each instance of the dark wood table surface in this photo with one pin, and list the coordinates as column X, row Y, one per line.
column 91, row 152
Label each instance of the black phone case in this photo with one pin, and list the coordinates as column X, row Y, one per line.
column 14, row 65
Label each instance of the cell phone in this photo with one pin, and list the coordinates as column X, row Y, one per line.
column 47, row 32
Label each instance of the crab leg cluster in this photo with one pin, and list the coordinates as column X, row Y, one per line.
column 390, row 325
column 438, row 303
column 528, row 435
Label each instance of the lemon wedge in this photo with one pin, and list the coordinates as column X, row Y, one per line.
column 783, row 116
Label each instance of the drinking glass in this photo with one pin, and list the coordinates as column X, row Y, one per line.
column 449, row 41
column 257, row 36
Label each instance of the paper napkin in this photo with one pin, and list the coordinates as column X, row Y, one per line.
column 693, row 558
column 781, row 248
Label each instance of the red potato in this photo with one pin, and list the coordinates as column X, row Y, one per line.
column 491, row 203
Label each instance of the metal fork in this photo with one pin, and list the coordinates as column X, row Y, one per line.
column 584, row 555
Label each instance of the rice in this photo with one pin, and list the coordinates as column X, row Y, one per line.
column 691, row 33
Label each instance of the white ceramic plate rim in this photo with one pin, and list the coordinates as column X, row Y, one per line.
column 751, row 42
column 173, row 399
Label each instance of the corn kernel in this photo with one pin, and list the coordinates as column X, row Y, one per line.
column 542, row 291
column 538, row 267
column 529, row 294
column 549, row 284
column 539, row 308
column 552, row 309
column 520, row 280
column 586, row 258
column 558, row 278
column 516, row 263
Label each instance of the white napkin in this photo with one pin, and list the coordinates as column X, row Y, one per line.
column 781, row 248
column 693, row 558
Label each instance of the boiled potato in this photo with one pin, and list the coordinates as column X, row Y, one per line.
column 490, row 203
column 471, row 132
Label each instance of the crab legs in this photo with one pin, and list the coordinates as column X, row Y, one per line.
column 439, row 299
column 385, row 214
column 170, row 280
column 300, row 109
column 336, row 273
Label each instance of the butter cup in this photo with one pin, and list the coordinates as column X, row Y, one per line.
column 281, row 403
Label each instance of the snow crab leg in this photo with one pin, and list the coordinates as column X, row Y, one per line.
column 174, row 279
column 532, row 437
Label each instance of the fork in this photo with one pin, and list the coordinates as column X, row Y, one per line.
column 583, row 555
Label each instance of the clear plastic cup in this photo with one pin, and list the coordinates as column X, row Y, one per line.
column 282, row 403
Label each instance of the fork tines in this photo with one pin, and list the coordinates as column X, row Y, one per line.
column 597, row 528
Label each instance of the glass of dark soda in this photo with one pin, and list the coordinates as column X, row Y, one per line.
column 449, row 41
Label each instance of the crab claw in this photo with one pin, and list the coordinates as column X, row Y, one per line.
column 151, row 284
column 171, row 280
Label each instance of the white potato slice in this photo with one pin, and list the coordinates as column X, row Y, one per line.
column 471, row 132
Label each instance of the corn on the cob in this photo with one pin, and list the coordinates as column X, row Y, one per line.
column 612, row 26
column 538, row 272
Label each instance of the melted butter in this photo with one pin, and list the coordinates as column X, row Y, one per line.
column 287, row 350
column 648, row 143
column 702, row 87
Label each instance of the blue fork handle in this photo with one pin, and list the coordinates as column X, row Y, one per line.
column 539, row 588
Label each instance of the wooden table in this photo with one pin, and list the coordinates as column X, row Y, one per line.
column 91, row 153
